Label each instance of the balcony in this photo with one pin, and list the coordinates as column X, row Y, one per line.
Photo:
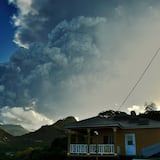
column 100, row 149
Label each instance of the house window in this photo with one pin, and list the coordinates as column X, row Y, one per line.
column 108, row 139
column 130, row 140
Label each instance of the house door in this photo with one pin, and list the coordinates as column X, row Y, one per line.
column 130, row 144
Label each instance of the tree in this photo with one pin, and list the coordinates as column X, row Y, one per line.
column 111, row 113
column 151, row 112
column 150, row 107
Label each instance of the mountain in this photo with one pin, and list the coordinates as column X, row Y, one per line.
column 62, row 122
column 46, row 134
column 37, row 139
column 15, row 130
column 5, row 142
column 5, row 137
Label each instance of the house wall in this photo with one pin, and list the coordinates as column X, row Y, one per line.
column 102, row 133
column 144, row 138
column 82, row 137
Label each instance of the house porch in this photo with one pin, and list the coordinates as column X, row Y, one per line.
column 92, row 142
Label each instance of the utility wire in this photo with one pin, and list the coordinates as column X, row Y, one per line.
column 140, row 78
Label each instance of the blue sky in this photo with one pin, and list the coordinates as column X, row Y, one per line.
column 7, row 29
column 76, row 57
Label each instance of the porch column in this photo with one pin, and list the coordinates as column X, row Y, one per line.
column 76, row 137
column 69, row 142
column 115, row 139
column 88, row 139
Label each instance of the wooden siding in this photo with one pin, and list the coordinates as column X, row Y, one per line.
column 144, row 138
column 102, row 133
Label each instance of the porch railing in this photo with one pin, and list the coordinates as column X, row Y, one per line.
column 93, row 149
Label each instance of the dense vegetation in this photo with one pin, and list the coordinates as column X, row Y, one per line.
column 56, row 150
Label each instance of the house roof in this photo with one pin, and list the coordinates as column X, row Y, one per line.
column 123, row 122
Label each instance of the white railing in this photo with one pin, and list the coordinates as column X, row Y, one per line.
column 93, row 149
column 102, row 149
column 78, row 148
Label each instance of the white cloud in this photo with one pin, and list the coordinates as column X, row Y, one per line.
column 137, row 109
column 28, row 118
column 24, row 9
column 76, row 118
column 24, row 6
column 17, row 39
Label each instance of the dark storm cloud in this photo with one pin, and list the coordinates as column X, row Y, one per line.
column 49, row 73
column 37, row 18
column 81, row 55
column 45, row 15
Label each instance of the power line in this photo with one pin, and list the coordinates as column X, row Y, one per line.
column 140, row 78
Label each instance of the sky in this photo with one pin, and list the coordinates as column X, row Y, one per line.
column 7, row 46
column 63, row 58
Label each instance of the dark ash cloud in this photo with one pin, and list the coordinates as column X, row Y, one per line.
column 81, row 56
column 52, row 73
column 39, row 17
